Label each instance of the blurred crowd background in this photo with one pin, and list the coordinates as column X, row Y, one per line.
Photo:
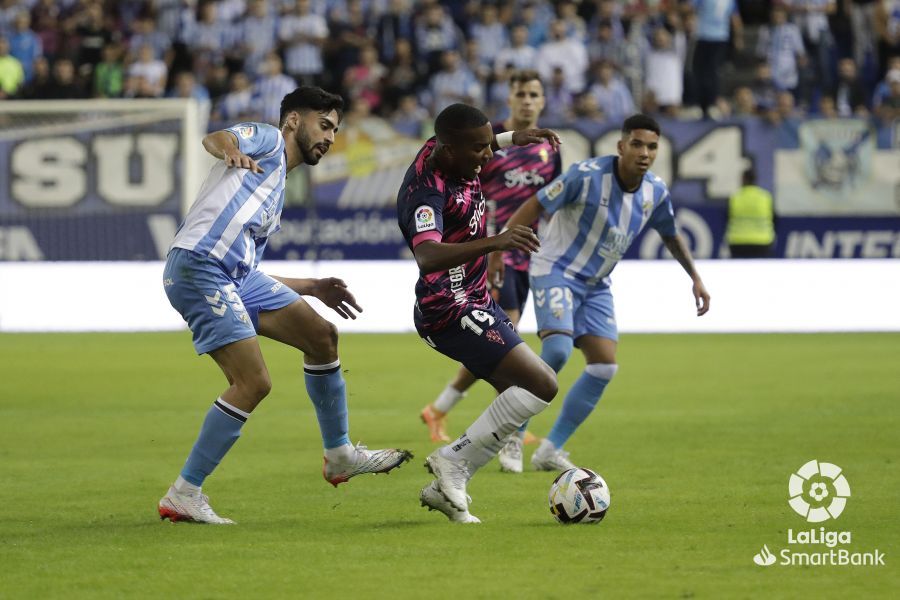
column 405, row 60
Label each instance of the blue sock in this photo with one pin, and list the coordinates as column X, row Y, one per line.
column 221, row 429
column 556, row 349
column 580, row 401
column 326, row 389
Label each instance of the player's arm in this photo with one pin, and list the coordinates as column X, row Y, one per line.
column 675, row 244
column 524, row 137
column 433, row 256
column 525, row 215
column 331, row 291
column 224, row 146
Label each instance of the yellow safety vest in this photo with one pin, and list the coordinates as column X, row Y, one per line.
column 750, row 216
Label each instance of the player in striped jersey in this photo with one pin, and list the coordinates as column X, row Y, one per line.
column 591, row 215
column 211, row 278
column 511, row 177
column 441, row 212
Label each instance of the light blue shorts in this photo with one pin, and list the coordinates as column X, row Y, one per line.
column 562, row 304
column 218, row 309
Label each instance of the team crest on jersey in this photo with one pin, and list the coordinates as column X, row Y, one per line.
column 247, row 131
column 494, row 336
column 555, row 189
column 647, row 205
column 425, row 219
column 545, row 156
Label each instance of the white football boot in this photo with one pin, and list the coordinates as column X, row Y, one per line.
column 510, row 455
column 451, row 477
column 362, row 460
column 548, row 458
column 433, row 499
column 194, row 508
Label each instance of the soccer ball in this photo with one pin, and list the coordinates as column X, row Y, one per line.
column 579, row 496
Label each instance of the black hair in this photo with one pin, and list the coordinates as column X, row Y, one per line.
column 306, row 98
column 640, row 121
column 455, row 118
column 749, row 176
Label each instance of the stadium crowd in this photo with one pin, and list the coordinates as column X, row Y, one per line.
column 406, row 60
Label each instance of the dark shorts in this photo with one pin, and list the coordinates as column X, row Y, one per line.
column 479, row 339
column 514, row 292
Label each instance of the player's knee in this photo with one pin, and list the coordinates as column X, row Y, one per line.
column 325, row 341
column 256, row 387
column 545, row 385
column 556, row 349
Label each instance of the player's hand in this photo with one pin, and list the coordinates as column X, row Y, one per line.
column 242, row 161
column 519, row 237
column 495, row 271
column 523, row 137
column 701, row 297
column 334, row 294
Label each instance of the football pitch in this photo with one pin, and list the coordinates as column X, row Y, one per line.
column 697, row 437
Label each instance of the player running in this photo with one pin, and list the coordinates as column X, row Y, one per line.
column 441, row 212
column 513, row 176
column 211, row 278
column 591, row 215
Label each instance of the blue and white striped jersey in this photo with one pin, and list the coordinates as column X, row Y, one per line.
column 237, row 210
column 590, row 220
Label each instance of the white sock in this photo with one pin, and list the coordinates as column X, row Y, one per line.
column 182, row 486
column 340, row 453
column 545, row 447
column 448, row 399
column 484, row 438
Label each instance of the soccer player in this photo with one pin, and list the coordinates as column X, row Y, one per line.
column 590, row 216
column 441, row 212
column 211, row 278
column 513, row 176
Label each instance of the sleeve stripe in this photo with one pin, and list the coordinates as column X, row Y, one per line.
column 428, row 236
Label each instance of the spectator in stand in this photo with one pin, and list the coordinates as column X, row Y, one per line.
column 744, row 103
column 12, row 75
column 538, row 30
column 586, row 108
column 349, row 35
column 435, row 34
column 608, row 11
column 146, row 34
column 394, row 26
column 811, row 16
column 827, row 108
column 186, row 86
column 218, row 80
column 366, row 79
column 258, row 34
column 404, row 74
column 109, row 74
column 93, row 34
column 44, row 19
column 497, row 104
column 65, row 84
column 887, row 30
column 849, row 94
column 210, row 37
column 611, row 93
column 781, row 45
column 715, row 20
column 8, row 11
column 764, row 91
column 564, row 52
column 153, row 71
column 453, row 83
column 863, row 19
column 40, row 83
column 558, row 108
column 605, row 46
column 271, row 87
column 518, row 54
column 664, row 70
column 236, row 105
column 25, row 44
column 303, row 34
column 481, row 71
column 409, row 116
column 490, row 34
column 575, row 25
column 889, row 109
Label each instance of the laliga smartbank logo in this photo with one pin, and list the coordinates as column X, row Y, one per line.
column 818, row 492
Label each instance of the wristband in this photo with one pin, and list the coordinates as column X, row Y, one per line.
column 505, row 139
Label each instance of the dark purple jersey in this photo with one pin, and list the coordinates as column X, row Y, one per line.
column 510, row 178
column 434, row 207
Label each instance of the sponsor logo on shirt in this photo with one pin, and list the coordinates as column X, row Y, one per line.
column 425, row 219
column 247, row 131
column 519, row 177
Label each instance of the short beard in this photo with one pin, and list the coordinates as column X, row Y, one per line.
column 303, row 144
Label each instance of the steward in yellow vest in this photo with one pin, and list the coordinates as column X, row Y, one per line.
column 751, row 220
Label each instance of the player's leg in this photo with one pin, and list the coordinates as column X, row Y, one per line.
column 207, row 299
column 490, row 348
column 597, row 339
column 283, row 316
column 434, row 415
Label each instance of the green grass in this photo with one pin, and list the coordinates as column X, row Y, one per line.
column 696, row 438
